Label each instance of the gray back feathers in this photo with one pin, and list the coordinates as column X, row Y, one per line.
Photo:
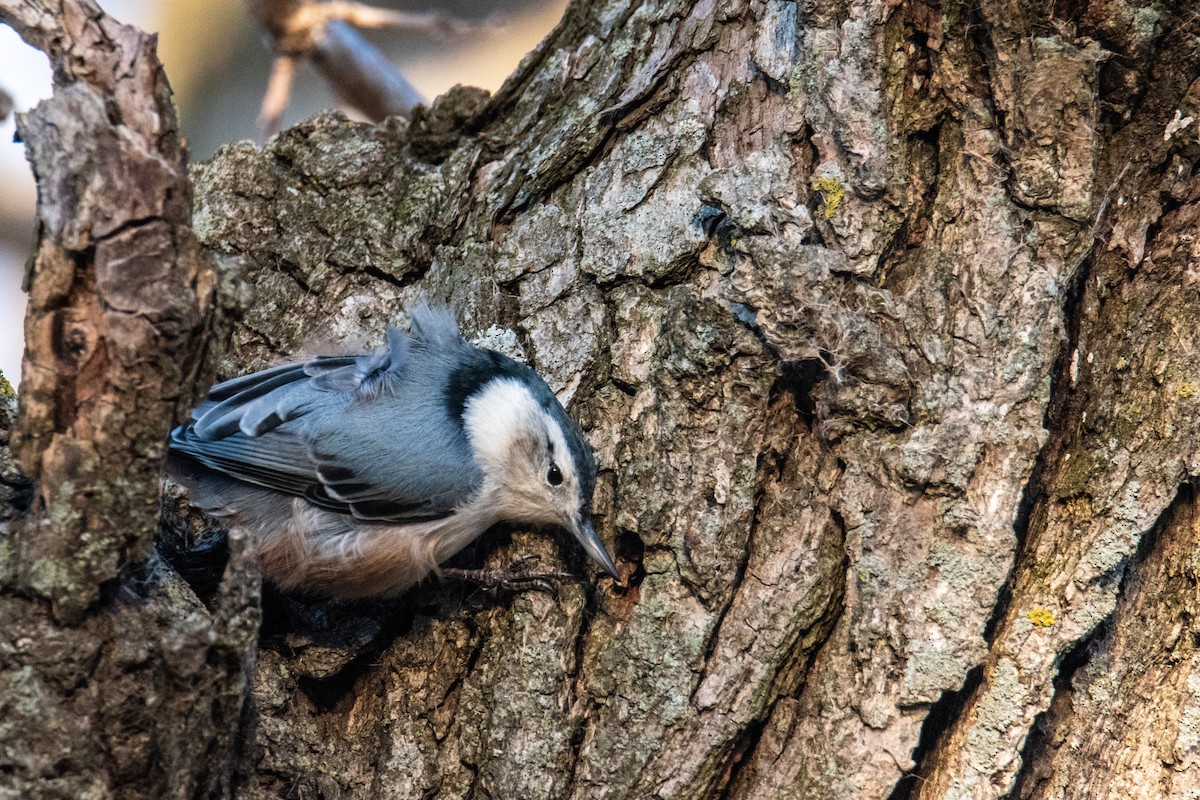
column 377, row 436
column 365, row 435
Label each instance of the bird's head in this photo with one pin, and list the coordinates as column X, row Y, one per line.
column 539, row 465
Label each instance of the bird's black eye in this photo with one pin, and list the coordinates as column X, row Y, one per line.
column 554, row 476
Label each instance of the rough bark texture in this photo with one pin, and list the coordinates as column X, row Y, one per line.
column 883, row 321
column 114, row 679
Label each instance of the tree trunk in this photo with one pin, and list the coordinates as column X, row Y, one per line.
column 883, row 320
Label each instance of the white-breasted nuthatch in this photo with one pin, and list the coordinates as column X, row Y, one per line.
column 359, row 475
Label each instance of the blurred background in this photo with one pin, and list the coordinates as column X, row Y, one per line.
column 217, row 62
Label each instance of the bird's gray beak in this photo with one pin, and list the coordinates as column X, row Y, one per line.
column 586, row 534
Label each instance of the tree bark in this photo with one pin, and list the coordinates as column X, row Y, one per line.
column 114, row 678
column 882, row 318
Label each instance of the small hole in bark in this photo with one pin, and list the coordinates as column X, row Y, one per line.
column 76, row 341
column 631, row 548
column 326, row 693
column 71, row 343
column 799, row 378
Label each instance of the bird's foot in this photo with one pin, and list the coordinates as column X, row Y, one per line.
column 517, row 577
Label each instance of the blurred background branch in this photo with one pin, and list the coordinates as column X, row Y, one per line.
column 358, row 72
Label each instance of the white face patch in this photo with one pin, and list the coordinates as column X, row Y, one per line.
column 497, row 415
column 503, row 412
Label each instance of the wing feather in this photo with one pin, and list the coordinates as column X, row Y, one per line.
column 278, row 464
column 366, row 435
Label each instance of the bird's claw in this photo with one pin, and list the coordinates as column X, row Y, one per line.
column 517, row 577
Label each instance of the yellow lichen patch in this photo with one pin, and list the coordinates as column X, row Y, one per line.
column 1187, row 389
column 6, row 389
column 1132, row 418
column 834, row 192
column 1041, row 617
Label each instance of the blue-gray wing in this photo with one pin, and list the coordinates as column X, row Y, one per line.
column 366, row 435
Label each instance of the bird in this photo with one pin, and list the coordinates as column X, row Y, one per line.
column 358, row 475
